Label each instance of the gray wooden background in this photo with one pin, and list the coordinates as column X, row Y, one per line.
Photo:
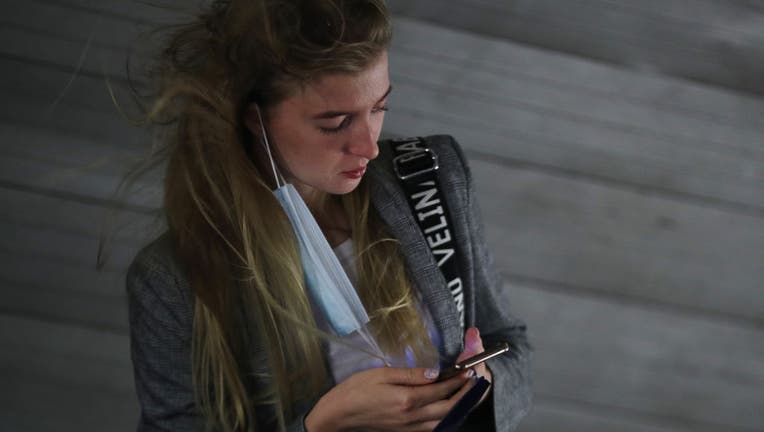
column 618, row 152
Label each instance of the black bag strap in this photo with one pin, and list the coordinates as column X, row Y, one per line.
column 417, row 169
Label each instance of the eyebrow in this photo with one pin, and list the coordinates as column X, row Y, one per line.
column 332, row 114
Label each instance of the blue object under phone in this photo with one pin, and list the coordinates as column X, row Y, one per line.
column 461, row 410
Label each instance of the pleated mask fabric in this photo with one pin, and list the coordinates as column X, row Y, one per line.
column 326, row 280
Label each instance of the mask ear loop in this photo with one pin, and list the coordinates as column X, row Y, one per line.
column 267, row 146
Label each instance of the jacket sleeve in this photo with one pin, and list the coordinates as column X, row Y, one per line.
column 161, row 322
column 511, row 391
column 160, row 345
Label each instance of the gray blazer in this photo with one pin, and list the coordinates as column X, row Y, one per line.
column 161, row 306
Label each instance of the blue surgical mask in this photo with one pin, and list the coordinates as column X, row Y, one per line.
column 325, row 279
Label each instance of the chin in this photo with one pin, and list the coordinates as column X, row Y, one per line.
column 345, row 187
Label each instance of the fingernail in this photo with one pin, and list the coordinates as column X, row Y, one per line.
column 470, row 373
column 431, row 373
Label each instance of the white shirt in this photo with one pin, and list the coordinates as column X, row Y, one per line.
column 344, row 360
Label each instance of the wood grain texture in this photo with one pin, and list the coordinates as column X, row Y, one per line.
column 620, row 365
column 92, row 172
column 574, row 233
column 632, row 362
column 623, row 208
column 712, row 41
column 564, row 416
column 64, row 377
column 135, row 11
column 678, row 148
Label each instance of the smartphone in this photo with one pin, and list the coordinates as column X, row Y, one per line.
column 475, row 360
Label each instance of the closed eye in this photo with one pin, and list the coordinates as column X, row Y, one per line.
column 333, row 130
column 349, row 119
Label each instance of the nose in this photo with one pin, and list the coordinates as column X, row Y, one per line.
column 364, row 142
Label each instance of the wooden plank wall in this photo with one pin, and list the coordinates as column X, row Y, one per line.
column 624, row 210
column 718, row 42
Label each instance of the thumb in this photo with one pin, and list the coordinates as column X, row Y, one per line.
column 409, row 376
column 473, row 344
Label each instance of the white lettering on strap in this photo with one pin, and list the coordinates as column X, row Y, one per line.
column 456, row 291
column 443, row 224
column 436, row 211
column 436, row 235
column 426, row 200
column 446, row 254
column 439, row 238
column 409, row 146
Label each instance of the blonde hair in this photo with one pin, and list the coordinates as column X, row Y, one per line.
column 231, row 235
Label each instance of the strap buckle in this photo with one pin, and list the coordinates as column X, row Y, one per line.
column 415, row 164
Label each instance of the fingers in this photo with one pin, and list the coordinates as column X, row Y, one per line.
column 415, row 388
column 435, row 411
column 426, row 426
column 425, row 395
column 408, row 376
column 462, row 391
column 402, row 399
column 409, row 400
column 473, row 344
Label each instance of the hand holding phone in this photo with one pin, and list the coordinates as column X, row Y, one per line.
column 473, row 361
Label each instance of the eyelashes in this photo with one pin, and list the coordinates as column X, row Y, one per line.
column 348, row 120
column 338, row 129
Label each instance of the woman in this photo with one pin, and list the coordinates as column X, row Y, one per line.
column 225, row 334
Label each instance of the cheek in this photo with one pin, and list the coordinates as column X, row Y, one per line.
column 293, row 144
column 378, row 119
column 377, row 123
column 311, row 154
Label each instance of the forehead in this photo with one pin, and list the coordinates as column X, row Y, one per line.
column 343, row 91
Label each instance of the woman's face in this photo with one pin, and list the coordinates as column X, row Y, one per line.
column 324, row 135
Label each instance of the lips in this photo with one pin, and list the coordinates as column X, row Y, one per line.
column 355, row 174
